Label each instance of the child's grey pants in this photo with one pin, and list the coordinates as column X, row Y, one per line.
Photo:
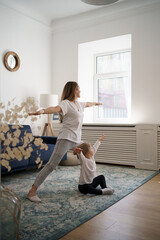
column 61, row 147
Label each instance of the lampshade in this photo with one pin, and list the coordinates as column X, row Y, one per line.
column 48, row 100
column 99, row 2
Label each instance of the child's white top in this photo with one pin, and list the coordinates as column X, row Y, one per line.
column 88, row 166
column 72, row 120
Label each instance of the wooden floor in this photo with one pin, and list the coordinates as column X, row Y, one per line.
column 135, row 217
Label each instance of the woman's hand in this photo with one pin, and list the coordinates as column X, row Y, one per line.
column 90, row 104
column 97, row 104
column 37, row 113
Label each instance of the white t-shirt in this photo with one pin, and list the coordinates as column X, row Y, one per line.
column 88, row 166
column 72, row 120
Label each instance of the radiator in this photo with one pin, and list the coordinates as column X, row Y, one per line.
column 134, row 145
column 118, row 147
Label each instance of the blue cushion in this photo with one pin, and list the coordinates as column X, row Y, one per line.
column 24, row 129
column 43, row 154
column 48, row 139
column 16, row 165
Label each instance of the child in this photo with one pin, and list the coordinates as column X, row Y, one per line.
column 88, row 182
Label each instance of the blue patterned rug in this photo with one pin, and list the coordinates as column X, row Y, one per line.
column 63, row 207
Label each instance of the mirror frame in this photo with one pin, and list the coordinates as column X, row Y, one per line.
column 16, row 58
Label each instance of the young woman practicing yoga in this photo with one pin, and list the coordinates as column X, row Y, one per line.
column 71, row 113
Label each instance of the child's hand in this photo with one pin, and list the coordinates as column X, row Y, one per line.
column 77, row 150
column 101, row 138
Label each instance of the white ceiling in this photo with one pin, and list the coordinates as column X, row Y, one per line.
column 47, row 11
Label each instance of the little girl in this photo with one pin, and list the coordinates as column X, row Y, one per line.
column 88, row 182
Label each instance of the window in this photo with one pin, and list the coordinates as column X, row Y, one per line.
column 112, row 86
column 104, row 74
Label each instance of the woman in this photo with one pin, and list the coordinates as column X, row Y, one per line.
column 71, row 113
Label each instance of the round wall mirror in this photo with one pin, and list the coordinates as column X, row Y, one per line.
column 11, row 61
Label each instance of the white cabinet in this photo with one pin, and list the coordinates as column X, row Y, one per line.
column 146, row 147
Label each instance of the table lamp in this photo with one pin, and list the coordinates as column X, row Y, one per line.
column 48, row 100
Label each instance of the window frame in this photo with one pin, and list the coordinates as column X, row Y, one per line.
column 97, row 77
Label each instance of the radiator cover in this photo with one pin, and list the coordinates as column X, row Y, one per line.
column 134, row 145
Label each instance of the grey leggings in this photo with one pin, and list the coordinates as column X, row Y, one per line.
column 62, row 146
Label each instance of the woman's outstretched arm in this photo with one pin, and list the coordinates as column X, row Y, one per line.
column 48, row 110
column 90, row 104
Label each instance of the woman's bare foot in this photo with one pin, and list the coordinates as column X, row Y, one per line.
column 32, row 191
column 32, row 195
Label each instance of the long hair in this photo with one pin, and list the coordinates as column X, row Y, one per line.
column 68, row 93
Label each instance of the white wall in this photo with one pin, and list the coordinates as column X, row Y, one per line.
column 143, row 24
column 32, row 42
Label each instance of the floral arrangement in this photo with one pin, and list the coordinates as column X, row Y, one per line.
column 12, row 117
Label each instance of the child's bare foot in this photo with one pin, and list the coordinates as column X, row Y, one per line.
column 107, row 191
